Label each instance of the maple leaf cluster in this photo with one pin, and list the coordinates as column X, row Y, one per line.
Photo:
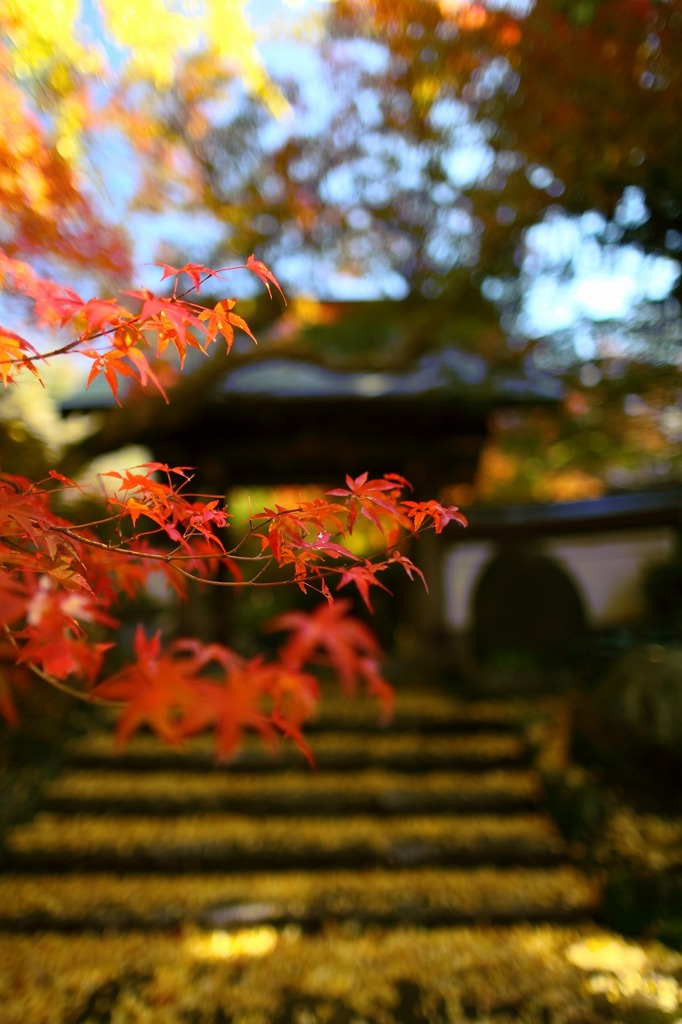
column 115, row 337
column 191, row 687
column 61, row 581
column 308, row 537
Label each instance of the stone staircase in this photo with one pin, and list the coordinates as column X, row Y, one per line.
column 442, row 814
column 435, row 823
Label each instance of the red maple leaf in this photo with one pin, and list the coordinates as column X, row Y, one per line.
column 327, row 635
column 193, row 270
column 55, row 639
column 266, row 697
column 101, row 315
column 373, row 499
column 221, row 320
column 13, row 598
column 109, row 364
column 266, row 275
column 66, row 480
column 419, row 511
column 232, row 706
column 410, row 568
column 364, row 577
column 159, row 690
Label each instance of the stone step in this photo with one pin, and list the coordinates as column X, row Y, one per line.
column 374, row 791
column 332, row 751
column 427, row 897
column 226, row 842
column 423, row 711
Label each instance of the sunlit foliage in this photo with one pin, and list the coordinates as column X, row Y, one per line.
column 524, row 203
column 66, row 75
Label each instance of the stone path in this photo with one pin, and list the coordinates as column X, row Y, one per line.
column 152, row 872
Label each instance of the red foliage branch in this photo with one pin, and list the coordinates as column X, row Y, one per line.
column 60, row 581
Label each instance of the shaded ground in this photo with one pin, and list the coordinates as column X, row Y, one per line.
column 264, row 976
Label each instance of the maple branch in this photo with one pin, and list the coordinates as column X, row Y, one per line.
column 309, row 580
column 120, row 549
column 253, row 582
column 58, row 684
column 169, row 558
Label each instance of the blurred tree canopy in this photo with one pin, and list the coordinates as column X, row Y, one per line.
column 508, row 175
column 500, row 179
column 84, row 93
column 71, row 77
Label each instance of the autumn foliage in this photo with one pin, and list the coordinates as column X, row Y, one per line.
column 61, row 582
column 65, row 583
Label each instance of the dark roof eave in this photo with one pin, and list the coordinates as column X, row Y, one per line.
column 616, row 511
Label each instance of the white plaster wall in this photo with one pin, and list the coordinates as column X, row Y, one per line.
column 608, row 570
column 463, row 567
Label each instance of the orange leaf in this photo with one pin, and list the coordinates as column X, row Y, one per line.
column 157, row 689
column 66, row 480
column 12, row 349
column 364, row 577
column 102, row 314
column 145, row 371
column 221, row 320
column 232, row 707
column 266, row 276
column 194, row 270
column 328, row 634
column 441, row 515
column 108, row 364
column 374, row 499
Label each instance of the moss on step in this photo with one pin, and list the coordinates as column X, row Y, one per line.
column 368, row 790
column 331, row 751
column 234, row 842
column 425, row 895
